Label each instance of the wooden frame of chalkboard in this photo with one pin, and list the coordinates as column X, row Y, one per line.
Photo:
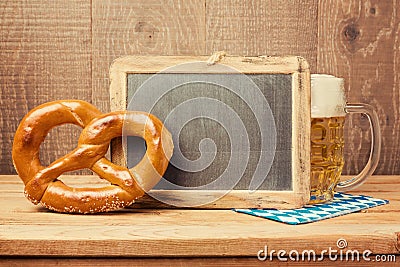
column 298, row 142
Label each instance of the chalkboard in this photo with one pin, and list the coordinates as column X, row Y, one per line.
column 240, row 128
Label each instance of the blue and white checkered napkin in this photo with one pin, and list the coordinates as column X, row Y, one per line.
column 341, row 205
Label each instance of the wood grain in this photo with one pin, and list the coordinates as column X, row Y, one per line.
column 272, row 27
column 52, row 50
column 359, row 41
column 182, row 232
column 145, row 27
column 45, row 51
column 164, row 262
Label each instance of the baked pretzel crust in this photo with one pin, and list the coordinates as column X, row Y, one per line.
column 41, row 183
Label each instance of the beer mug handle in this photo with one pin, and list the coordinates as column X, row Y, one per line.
column 375, row 146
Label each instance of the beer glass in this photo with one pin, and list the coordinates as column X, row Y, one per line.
column 328, row 112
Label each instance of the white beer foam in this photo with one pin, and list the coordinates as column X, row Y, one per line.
column 327, row 96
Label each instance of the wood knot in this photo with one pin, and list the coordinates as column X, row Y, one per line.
column 372, row 10
column 351, row 32
column 142, row 26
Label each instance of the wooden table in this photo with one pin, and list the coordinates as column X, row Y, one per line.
column 31, row 234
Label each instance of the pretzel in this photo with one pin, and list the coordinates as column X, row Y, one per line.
column 41, row 183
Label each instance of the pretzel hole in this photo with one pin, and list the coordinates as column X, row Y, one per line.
column 91, row 181
column 60, row 141
column 136, row 149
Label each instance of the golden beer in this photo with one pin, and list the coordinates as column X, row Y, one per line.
column 327, row 160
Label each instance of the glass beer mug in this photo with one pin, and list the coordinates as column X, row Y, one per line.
column 328, row 111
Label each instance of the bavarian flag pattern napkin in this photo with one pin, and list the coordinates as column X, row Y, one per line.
column 341, row 205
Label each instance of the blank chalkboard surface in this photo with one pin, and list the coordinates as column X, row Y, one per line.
column 240, row 128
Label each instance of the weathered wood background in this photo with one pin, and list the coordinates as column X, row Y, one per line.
column 63, row 49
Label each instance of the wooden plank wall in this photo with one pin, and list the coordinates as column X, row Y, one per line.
column 63, row 49
column 359, row 40
column 45, row 52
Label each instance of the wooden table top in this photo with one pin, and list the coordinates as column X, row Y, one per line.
column 28, row 230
